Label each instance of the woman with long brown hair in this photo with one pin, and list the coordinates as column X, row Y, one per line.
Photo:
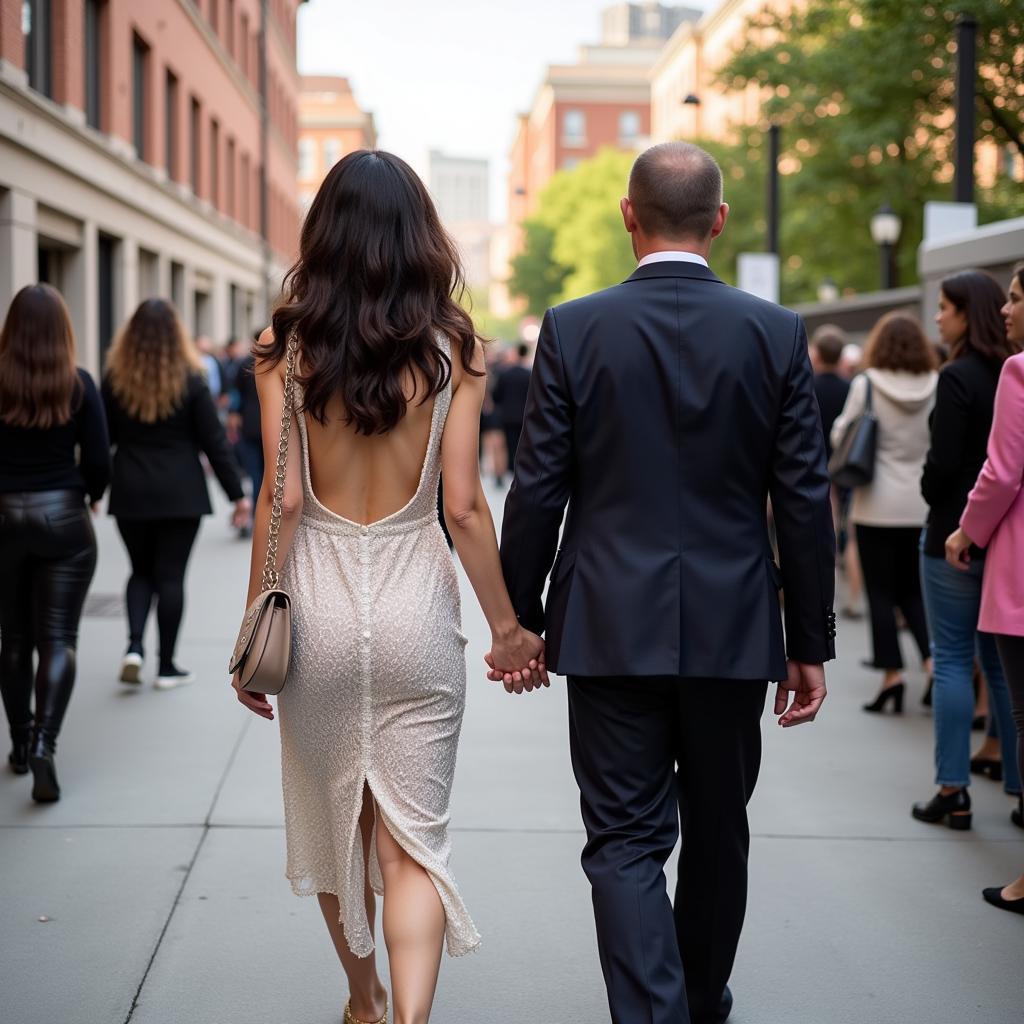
column 161, row 417
column 48, row 409
column 388, row 377
column 971, row 326
column 889, row 512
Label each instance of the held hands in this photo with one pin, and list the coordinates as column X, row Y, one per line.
column 242, row 513
column 958, row 550
column 806, row 683
column 520, row 648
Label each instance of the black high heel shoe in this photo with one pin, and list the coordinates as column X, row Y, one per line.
column 45, row 788
column 954, row 809
column 887, row 694
column 988, row 767
column 995, row 897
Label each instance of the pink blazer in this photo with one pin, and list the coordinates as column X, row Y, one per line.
column 994, row 517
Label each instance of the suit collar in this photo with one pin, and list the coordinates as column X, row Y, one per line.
column 673, row 268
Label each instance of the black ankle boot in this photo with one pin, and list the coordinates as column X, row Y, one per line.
column 955, row 809
column 45, row 789
column 18, row 757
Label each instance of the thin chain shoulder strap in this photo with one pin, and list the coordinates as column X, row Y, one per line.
column 271, row 575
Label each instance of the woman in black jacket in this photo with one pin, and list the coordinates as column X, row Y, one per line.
column 161, row 417
column 48, row 409
column 971, row 325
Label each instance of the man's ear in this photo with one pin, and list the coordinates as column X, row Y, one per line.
column 720, row 218
column 628, row 216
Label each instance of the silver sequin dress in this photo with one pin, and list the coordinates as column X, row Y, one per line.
column 375, row 695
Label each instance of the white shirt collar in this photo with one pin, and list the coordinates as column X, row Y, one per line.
column 673, row 254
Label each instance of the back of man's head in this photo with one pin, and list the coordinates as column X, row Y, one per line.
column 675, row 189
column 828, row 342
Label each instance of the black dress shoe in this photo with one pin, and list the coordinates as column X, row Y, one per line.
column 995, row 897
column 1017, row 816
column 886, row 695
column 724, row 1007
column 45, row 788
column 926, row 700
column 954, row 809
column 988, row 767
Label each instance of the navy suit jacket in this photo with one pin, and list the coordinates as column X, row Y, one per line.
column 664, row 412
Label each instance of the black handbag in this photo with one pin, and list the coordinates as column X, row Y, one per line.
column 853, row 461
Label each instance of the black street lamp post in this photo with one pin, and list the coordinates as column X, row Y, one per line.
column 772, row 198
column 885, row 231
column 966, row 33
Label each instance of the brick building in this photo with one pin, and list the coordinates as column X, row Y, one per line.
column 148, row 149
column 332, row 124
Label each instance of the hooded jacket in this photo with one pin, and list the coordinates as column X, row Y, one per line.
column 902, row 403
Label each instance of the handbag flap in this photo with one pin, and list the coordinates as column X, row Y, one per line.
column 250, row 626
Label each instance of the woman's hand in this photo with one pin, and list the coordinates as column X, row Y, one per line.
column 255, row 702
column 958, row 552
column 517, row 660
column 242, row 513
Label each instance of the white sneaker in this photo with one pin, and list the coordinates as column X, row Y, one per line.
column 131, row 669
column 175, row 678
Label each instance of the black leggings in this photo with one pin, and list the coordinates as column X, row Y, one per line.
column 1011, row 654
column 890, row 561
column 47, row 560
column 159, row 551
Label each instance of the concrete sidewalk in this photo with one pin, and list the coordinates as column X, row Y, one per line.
column 154, row 891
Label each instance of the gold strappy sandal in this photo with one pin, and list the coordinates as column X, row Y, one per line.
column 349, row 1019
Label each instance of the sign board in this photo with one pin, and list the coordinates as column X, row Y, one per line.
column 758, row 273
column 943, row 220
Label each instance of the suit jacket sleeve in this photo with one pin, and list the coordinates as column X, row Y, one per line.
column 949, row 425
column 212, row 440
column 999, row 481
column 540, row 489
column 799, row 488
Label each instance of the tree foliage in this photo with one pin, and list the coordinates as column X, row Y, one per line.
column 863, row 91
column 575, row 242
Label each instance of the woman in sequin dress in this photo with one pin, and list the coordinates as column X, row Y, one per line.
column 389, row 386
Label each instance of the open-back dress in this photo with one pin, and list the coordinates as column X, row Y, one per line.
column 375, row 695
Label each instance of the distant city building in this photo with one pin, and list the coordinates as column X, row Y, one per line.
column 131, row 159
column 331, row 125
column 624, row 24
column 461, row 189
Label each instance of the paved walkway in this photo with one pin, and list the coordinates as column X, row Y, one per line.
column 154, row 891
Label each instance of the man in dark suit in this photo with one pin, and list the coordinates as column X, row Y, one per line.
column 665, row 411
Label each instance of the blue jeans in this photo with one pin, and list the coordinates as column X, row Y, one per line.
column 952, row 599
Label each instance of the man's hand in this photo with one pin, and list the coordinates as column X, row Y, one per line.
column 522, row 648
column 807, row 685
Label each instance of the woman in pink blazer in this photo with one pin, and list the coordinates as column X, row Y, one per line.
column 994, row 519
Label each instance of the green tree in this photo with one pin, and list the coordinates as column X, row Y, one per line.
column 862, row 90
column 575, row 243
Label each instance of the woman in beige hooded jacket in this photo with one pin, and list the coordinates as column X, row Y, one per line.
column 888, row 513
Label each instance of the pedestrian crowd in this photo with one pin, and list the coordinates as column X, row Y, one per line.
column 936, row 530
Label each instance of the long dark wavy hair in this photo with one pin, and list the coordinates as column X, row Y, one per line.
column 377, row 280
column 39, row 385
column 980, row 298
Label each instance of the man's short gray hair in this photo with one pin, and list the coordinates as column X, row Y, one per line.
column 676, row 190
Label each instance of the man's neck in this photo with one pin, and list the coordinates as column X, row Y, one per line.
column 653, row 245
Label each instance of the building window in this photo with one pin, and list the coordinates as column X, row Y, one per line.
column 229, row 183
column 215, row 163
column 215, row 16
column 229, row 26
column 307, row 156
column 243, row 44
column 37, row 26
column 245, row 214
column 195, row 143
column 570, row 163
column 140, row 95
column 106, row 251
column 171, row 124
column 332, row 152
column 629, row 127
column 178, row 286
column 574, row 128
column 94, row 57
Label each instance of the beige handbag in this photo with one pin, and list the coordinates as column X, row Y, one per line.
column 264, row 643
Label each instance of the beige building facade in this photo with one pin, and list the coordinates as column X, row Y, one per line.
column 332, row 124
column 148, row 149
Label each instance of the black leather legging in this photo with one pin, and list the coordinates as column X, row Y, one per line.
column 47, row 560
